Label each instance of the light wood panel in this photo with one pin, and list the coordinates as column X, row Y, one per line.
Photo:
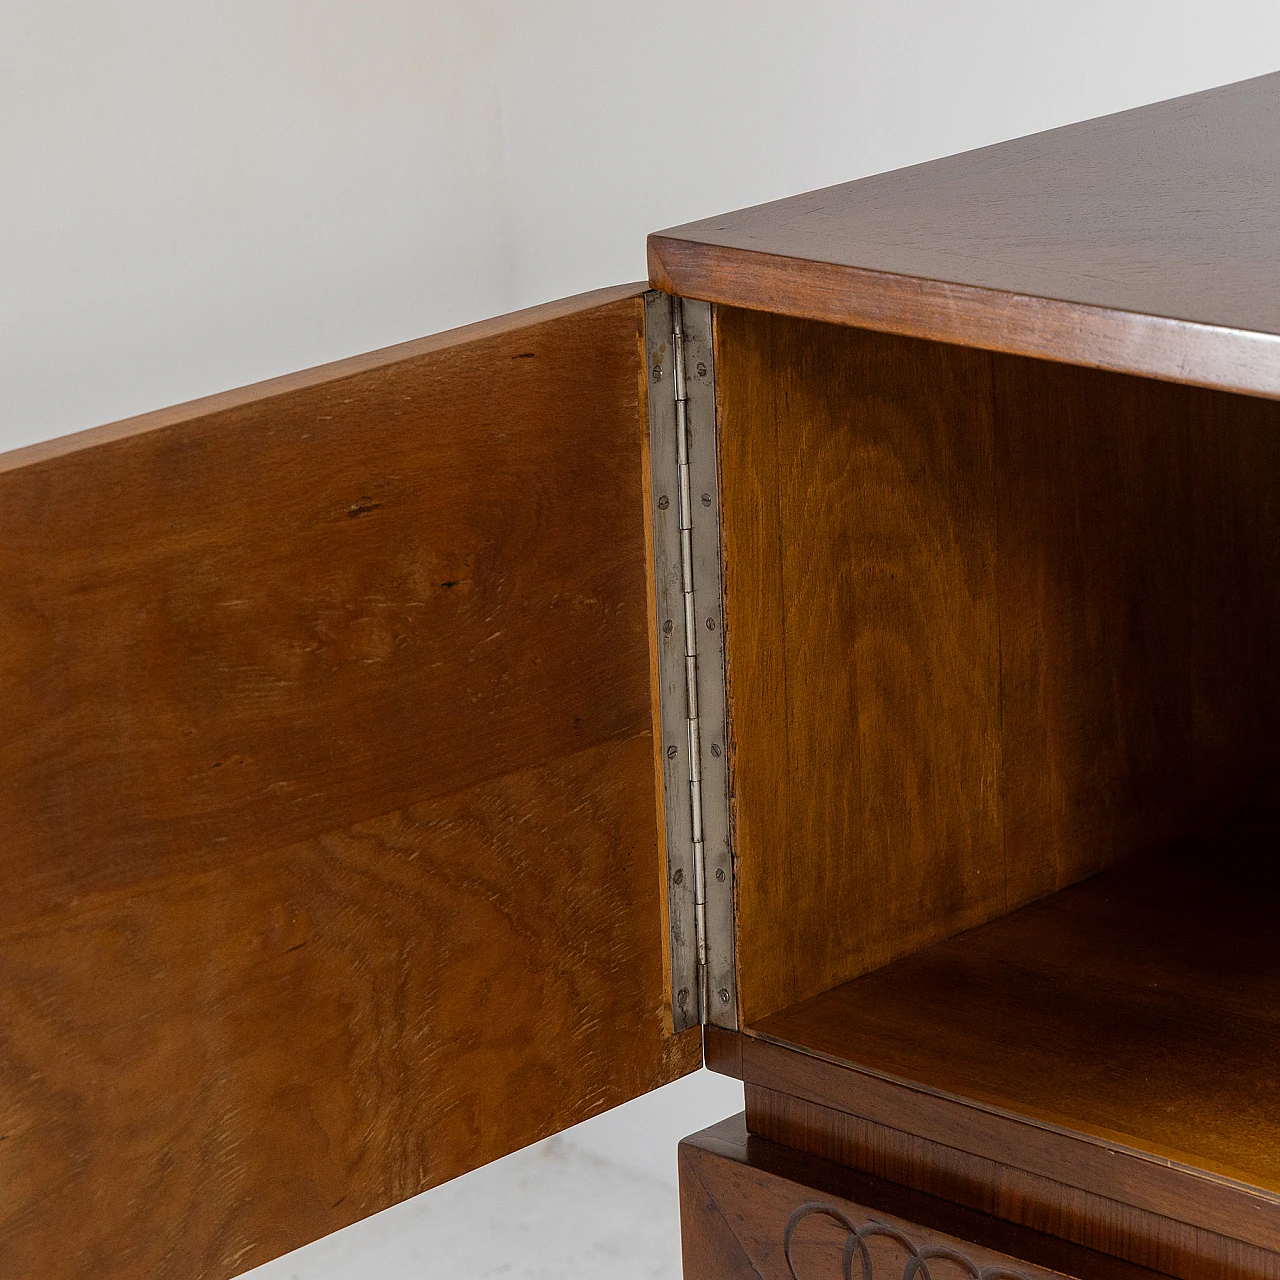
column 204, row 1074
column 862, row 648
column 276, row 613
column 332, row 862
column 1140, row 242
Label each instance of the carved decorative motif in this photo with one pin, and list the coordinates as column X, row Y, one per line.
column 918, row 1256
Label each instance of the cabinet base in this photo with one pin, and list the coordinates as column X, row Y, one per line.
column 751, row 1209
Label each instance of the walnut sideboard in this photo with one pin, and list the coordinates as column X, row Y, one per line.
column 850, row 658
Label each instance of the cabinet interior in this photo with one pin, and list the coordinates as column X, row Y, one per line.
column 995, row 625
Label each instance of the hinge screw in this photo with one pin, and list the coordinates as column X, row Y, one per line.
column 657, row 373
column 663, row 502
column 672, row 751
column 719, row 873
column 678, row 878
column 706, row 499
column 668, row 627
column 682, row 997
column 702, row 368
column 711, row 624
column 715, row 750
column 724, row 995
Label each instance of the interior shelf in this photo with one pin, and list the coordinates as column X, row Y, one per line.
column 1140, row 1008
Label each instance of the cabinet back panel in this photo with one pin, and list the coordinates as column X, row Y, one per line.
column 992, row 623
column 1139, row 556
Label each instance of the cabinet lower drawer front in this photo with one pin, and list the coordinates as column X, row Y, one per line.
column 751, row 1209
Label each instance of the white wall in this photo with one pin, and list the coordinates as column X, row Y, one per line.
column 198, row 195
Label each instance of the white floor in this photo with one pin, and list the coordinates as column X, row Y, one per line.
column 598, row 1200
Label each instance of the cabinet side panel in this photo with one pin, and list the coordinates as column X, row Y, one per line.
column 867, row 687
column 331, row 852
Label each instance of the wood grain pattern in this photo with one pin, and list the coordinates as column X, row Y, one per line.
column 1109, row 1227
column 756, row 684
column 261, row 621
column 203, row 1075
column 722, row 1051
column 862, row 648
column 738, row 1191
column 1094, row 480
column 1133, row 1016
column 993, row 624
column 331, row 853
column 1136, row 564
column 1140, row 242
column 1100, row 1168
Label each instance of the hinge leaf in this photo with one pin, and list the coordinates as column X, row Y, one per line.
column 690, row 638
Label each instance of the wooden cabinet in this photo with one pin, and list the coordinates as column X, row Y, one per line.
column 861, row 670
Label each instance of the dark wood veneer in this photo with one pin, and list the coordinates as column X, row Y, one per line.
column 991, row 1184
column 1143, row 242
column 738, row 1191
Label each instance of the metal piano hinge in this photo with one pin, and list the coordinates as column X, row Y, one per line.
column 686, row 519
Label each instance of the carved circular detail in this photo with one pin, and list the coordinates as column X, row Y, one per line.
column 918, row 1257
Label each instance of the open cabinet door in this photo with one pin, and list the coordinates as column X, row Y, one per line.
column 332, row 858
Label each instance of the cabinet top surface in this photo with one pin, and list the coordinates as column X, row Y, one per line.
column 1058, row 244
